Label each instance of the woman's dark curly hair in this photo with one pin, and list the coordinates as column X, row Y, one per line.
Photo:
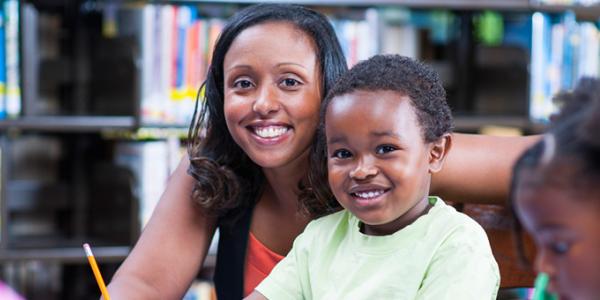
column 396, row 73
column 573, row 141
column 227, row 181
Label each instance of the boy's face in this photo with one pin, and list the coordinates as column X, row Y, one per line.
column 566, row 231
column 378, row 164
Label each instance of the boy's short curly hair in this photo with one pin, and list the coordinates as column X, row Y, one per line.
column 405, row 76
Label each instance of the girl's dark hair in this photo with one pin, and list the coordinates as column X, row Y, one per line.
column 575, row 135
column 227, row 181
column 396, row 73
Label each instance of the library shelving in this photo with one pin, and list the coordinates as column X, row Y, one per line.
column 94, row 104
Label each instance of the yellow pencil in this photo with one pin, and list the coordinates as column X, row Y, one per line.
column 92, row 260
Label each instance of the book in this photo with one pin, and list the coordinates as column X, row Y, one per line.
column 2, row 67
column 13, row 81
column 151, row 162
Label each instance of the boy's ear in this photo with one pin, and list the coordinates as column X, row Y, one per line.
column 438, row 152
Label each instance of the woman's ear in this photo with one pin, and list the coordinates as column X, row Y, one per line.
column 439, row 152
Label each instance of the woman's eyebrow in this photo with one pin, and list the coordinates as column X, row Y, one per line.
column 239, row 67
column 279, row 65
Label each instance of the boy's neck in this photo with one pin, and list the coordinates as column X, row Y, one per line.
column 420, row 209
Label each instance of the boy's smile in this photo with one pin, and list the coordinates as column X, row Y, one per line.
column 378, row 162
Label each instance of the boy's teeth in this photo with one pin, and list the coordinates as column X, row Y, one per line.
column 270, row 131
column 369, row 194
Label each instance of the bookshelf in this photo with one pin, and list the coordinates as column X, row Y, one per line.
column 69, row 123
column 90, row 124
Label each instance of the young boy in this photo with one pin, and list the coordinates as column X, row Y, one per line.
column 386, row 129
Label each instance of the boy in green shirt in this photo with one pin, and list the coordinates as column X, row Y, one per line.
column 386, row 128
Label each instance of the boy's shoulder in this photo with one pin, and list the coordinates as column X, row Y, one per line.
column 452, row 222
column 326, row 229
column 328, row 222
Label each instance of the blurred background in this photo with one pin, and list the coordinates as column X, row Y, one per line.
column 96, row 98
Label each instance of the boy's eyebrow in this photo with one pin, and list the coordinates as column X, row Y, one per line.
column 342, row 139
column 336, row 139
column 386, row 133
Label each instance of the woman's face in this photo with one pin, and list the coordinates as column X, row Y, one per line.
column 565, row 226
column 272, row 93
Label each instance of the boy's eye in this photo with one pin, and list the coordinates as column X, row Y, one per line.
column 385, row 149
column 342, row 153
column 560, row 247
column 242, row 83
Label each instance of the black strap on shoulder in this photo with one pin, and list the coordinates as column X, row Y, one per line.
column 231, row 257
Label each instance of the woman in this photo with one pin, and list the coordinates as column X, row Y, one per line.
column 270, row 69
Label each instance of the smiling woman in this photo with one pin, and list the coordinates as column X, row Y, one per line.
column 272, row 96
column 270, row 69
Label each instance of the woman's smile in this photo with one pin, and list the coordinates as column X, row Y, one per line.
column 270, row 134
column 272, row 93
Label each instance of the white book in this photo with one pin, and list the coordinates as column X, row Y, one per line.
column 167, row 19
column 13, row 80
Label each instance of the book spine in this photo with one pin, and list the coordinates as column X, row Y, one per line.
column 13, row 82
column 2, row 66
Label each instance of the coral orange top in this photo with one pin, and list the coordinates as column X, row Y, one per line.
column 260, row 260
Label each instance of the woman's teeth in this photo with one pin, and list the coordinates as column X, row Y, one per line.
column 369, row 194
column 270, row 131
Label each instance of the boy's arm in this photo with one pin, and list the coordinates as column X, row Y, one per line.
column 462, row 268
column 478, row 168
column 171, row 248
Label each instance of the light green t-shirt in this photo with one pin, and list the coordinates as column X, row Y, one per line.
column 442, row 255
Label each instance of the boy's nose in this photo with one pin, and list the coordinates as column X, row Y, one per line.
column 365, row 169
column 266, row 102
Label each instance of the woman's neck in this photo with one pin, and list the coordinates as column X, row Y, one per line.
column 283, row 181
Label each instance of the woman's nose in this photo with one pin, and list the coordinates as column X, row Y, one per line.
column 266, row 101
column 363, row 170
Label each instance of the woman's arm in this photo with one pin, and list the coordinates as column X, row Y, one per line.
column 170, row 250
column 478, row 168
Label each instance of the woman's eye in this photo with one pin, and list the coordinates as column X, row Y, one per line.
column 560, row 247
column 243, row 84
column 341, row 154
column 290, row 82
column 385, row 149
